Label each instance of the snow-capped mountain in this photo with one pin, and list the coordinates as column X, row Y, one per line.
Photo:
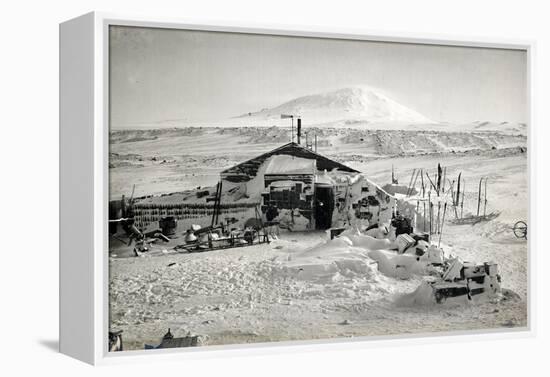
column 354, row 103
column 358, row 107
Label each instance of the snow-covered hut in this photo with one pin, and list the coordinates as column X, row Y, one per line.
column 309, row 191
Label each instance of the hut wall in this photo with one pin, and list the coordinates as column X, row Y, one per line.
column 306, row 178
column 357, row 200
column 147, row 215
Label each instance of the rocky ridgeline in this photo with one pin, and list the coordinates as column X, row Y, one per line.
column 334, row 142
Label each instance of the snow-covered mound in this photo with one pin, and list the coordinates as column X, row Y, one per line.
column 403, row 266
column 347, row 256
column 357, row 103
column 329, row 262
column 358, row 256
column 335, row 268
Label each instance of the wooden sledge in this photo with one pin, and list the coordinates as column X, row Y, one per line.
column 169, row 341
column 244, row 238
column 473, row 220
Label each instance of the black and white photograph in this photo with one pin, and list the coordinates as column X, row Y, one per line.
column 273, row 188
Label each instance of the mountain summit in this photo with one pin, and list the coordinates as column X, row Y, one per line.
column 354, row 103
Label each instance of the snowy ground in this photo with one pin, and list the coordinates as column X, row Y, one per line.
column 169, row 160
column 288, row 290
column 279, row 292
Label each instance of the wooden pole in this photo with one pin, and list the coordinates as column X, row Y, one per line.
column 479, row 195
column 440, row 233
column 452, row 187
column 438, row 181
column 430, row 210
column 424, row 212
column 416, row 215
column 431, row 182
column 444, row 179
column 414, row 183
column 422, row 179
column 410, row 182
column 438, row 213
column 432, row 227
column 462, row 203
column 455, row 203
column 485, row 203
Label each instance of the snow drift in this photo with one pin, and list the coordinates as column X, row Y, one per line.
column 332, row 261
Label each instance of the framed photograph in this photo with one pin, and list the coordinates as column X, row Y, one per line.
column 225, row 187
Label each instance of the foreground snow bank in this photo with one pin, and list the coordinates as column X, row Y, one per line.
column 359, row 253
column 360, row 260
column 330, row 262
column 351, row 255
column 421, row 296
column 336, row 265
column 407, row 265
column 399, row 266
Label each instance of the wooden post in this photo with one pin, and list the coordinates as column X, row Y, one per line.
column 440, row 233
column 455, row 202
column 416, row 215
column 430, row 211
column 444, row 179
column 414, row 183
column 410, row 182
column 431, row 182
column 438, row 181
column 479, row 195
column 462, row 203
column 485, row 203
column 424, row 212
column 422, row 180
column 438, row 211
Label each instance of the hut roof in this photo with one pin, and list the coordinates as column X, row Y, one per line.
column 286, row 164
column 248, row 169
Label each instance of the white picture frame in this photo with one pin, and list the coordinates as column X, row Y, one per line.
column 84, row 127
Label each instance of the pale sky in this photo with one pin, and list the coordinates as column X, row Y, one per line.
column 162, row 74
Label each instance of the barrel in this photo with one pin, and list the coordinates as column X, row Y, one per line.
column 168, row 225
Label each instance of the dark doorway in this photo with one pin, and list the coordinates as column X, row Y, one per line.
column 324, row 205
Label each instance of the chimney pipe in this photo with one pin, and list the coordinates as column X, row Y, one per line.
column 299, row 129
